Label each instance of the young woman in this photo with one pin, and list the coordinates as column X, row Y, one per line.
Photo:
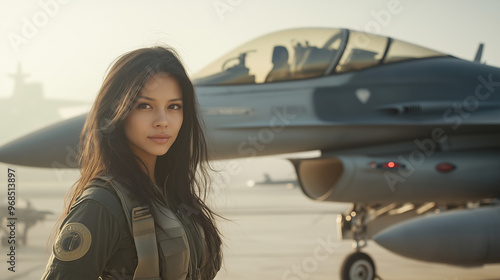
column 143, row 159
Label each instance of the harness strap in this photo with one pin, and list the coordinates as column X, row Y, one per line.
column 145, row 243
column 142, row 227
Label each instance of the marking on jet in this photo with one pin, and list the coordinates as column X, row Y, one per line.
column 230, row 111
column 363, row 94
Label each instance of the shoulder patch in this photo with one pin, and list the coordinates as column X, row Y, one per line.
column 73, row 242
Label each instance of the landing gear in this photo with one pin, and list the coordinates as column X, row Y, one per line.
column 358, row 266
column 353, row 225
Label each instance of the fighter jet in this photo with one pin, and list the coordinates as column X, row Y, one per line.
column 410, row 136
column 269, row 181
column 25, row 217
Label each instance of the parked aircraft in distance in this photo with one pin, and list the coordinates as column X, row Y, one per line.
column 410, row 136
column 268, row 181
column 25, row 217
column 27, row 97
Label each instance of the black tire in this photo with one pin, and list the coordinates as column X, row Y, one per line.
column 358, row 266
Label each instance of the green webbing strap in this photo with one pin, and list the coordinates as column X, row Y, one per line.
column 143, row 231
column 143, row 227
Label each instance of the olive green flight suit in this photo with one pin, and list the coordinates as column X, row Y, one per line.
column 111, row 253
column 96, row 241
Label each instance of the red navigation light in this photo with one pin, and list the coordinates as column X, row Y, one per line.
column 445, row 167
column 390, row 164
column 386, row 165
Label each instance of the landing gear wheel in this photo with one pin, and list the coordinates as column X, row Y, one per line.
column 358, row 266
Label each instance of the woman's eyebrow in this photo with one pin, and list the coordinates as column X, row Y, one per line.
column 152, row 99
column 145, row 97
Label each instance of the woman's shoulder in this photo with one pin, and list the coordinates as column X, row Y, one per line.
column 101, row 192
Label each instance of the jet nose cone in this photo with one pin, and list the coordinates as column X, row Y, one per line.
column 54, row 146
column 11, row 153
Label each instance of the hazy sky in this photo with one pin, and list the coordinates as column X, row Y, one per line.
column 68, row 46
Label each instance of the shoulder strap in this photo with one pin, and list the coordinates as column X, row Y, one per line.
column 142, row 227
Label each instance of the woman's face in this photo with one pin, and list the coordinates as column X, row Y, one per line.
column 156, row 118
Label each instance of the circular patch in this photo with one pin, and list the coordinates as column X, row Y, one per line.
column 73, row 242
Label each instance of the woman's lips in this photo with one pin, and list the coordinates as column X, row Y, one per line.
column 160, row 139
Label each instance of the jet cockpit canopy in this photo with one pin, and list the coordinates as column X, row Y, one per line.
column 306, row 53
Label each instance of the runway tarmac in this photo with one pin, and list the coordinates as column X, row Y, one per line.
column 273, row 233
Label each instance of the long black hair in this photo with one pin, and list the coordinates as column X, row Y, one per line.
column 181, row 174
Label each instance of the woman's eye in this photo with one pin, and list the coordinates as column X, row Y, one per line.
column 175, row 106
column 144, row 106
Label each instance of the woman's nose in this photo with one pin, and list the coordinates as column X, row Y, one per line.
column 161, row 119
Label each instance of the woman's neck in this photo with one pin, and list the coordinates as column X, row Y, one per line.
column 150, row 168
